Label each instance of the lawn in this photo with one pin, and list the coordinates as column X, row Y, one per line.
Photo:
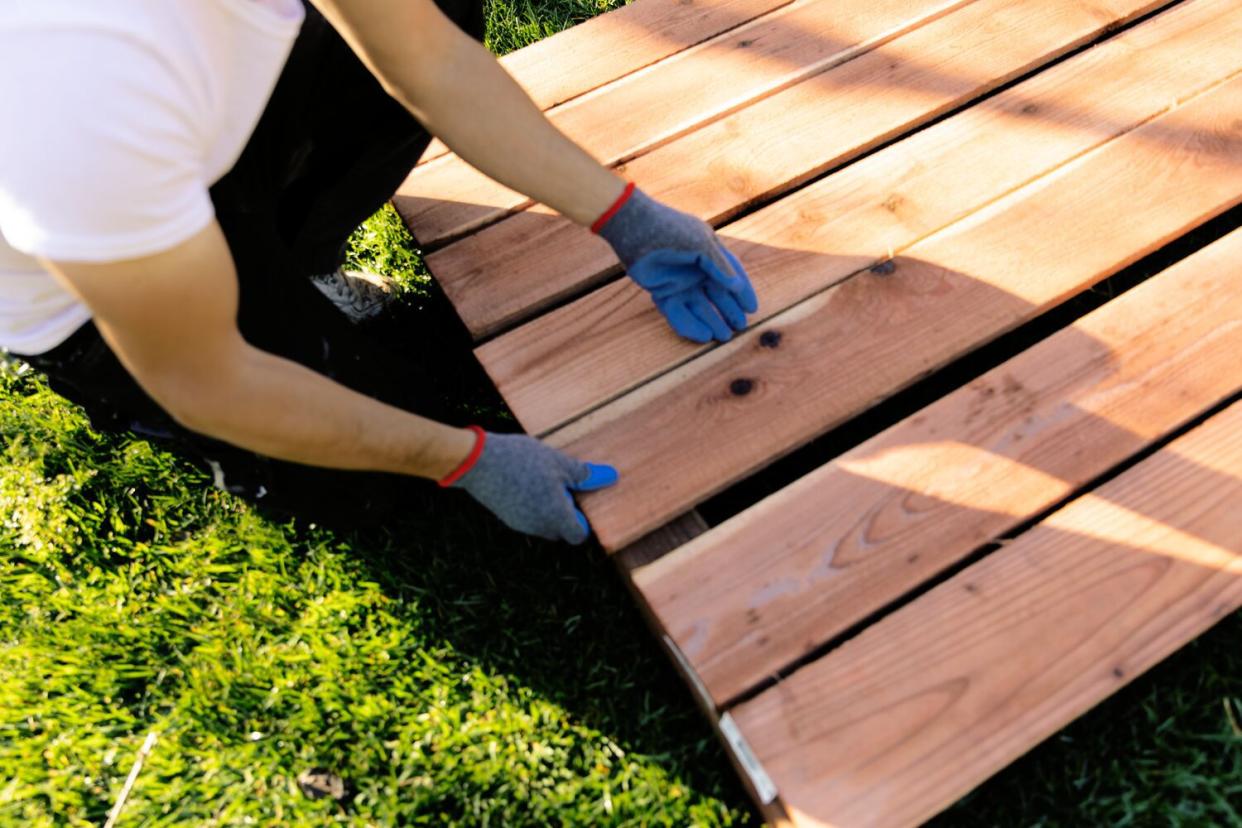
column 450, row 672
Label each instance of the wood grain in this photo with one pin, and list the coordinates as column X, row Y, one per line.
column 688, row 434
column 600, row 50
column 446, row 198
column 780, row 579
column 924, row 705
column 562, row 364
column 508, row 271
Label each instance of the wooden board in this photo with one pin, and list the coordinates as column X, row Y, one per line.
column 445, row 198
column 835, row 354
column 519, row 266
column 874, row 270
column 560, row 365
column 927, row 703
column 793, row 572
column 600, row 50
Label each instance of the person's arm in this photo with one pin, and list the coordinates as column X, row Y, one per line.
column 171, row 320
column 463, row 96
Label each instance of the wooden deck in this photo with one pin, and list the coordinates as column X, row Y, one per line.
column 907, row 181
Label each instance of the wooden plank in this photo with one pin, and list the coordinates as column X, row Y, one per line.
column 917, row 710
column 558, row 366
column 600, row 50
column 802, row 567
column 512, row 269
column 631, row 560
column 651, row 547
column 688, row 434
column 447, row 198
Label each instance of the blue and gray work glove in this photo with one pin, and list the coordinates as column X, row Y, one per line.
column 527, row 484
column 699, row 286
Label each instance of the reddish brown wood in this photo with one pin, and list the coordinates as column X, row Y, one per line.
column 513, row 269
column 601, row 50
column 563, row 363
column 765, row 588
column 690, row 433
column 446, row 198
column 924, row 705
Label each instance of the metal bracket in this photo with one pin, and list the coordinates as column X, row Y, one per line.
column 765, row 790
column 762, row 784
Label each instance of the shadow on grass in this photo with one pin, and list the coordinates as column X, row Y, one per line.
column 551, row 617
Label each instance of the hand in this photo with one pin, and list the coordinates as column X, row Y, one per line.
column 527, row 485
column 699, row 286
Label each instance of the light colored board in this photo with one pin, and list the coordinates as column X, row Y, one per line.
column 924, row 705
column 510, row 270
column 446, row 198
column 802, row 567
column 683, row 437
column 571, row 359
column 575, row 61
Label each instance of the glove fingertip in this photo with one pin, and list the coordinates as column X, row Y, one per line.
column 697, row 335
column 748, row 300
column 584, row 527
column 598, row 476
column 685, row 323
column 727, row 305
column 745, row 293
column 701, row 308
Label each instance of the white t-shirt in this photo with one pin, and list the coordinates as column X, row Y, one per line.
column 116, row 116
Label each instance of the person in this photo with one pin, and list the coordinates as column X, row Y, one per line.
column 178, row 181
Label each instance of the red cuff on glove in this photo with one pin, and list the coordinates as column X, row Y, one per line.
column 612, row 211
column 480, row 437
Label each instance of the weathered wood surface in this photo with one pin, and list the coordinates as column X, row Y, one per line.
column 914, row 712
column 844, row 349
column 563, row 363
column 515, row 268
column 446, row 198
column 782, row 578
column 601, row 50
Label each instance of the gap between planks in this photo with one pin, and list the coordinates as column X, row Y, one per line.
column 929, row 702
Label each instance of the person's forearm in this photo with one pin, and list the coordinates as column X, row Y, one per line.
column 462, row 95
column 504, row 135
column 280, row 409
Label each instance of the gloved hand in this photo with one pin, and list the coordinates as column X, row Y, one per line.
column 527, row 484
column 699, row 286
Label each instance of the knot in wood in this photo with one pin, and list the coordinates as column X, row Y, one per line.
column 884, row 268
column 741, row 386
column 770, row 339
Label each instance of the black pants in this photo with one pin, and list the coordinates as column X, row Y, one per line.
column 329, row 150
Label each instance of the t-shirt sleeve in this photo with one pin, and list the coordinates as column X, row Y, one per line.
column 101, row 148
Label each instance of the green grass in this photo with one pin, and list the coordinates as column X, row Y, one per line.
column 452, row 672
